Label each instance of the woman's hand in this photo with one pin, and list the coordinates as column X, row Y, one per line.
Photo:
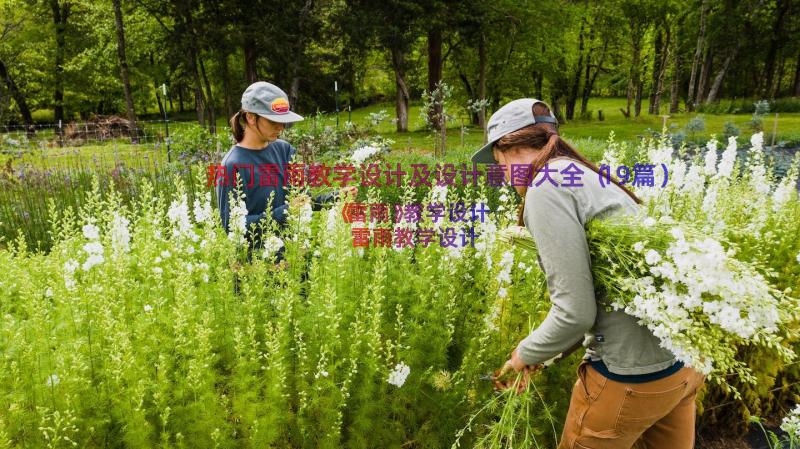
column 516, row 364
column 299, row 200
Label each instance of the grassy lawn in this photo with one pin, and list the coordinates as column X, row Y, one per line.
column 587, row 135
column 624, row 129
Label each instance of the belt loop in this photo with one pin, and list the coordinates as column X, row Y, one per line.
column 582, row 377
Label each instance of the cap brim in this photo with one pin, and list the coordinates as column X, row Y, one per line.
column 484, row 155
column 289, row 117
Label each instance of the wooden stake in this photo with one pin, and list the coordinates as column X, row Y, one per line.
column 774, row 130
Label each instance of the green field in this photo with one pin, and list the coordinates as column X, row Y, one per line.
column 587, row 135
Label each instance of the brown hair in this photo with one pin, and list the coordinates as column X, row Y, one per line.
column 237, row 125
column 546, row 137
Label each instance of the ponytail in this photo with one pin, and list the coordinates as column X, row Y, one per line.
column 546, row 137
column 237, row 127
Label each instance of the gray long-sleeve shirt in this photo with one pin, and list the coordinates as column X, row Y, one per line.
column 556, row 216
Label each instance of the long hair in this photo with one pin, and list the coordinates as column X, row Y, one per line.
column 546, row 137
column 237, row 125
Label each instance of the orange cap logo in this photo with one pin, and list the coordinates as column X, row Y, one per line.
column 280, row 106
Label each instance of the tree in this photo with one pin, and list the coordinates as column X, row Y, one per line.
column 11, row 25
column 60, row 10
column 638, row 15
column 698, row 53
column 394, row 25
column 123, row 61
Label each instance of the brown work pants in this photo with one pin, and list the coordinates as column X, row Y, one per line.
column 605, row 414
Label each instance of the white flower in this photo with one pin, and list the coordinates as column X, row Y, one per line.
column 711, row 158
column 48, row 293
column 757, row 140
column 649, row 222
column 158, row 270
column 399, row 374
column 95, row 251
column 94, row 259
column 364, row 153
column 120, row 235
column 178, row 215
column 203, row 212
column 272, row 245
column 91, row 232
column 502, row 293
column 638, row 247
column 725, row 168
column 93, row 248
column 237, row 223
column 69, row 272
column 52, row 380
column 148, row 308
column 506, row 264
column 165, row 254
column 694, row 182
column 439, row 194
column 791, row 423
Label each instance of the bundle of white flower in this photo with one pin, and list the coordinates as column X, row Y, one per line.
column 791, row 424
column 693, row 294
column 362, row 154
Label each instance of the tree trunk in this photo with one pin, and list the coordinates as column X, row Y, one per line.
column 637, row 105
column 797, row 78
column 572, row 96
column 588, row 84
column 199, row 101
column 776, row 90
column 434, row 73
column 776, row 40
column 712, row 93
column 212, row 116
column 401, row 103
column 161, row 105
column 60, row 16
column 635, row 88
column 19, row 98
column 473, row 116
column 226, row 85
column 555, row 104
column 674, row 91
column 123, row 64
column 250, row 57
column 660, row 72
column 704, row 72
column 538, row 83
column 482, row 81
column 294, row 90
column 697, row 54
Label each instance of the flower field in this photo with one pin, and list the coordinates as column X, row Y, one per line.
column 147, row 325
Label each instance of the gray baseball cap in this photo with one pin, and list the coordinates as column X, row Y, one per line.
column 270, row 102
column 509, row 118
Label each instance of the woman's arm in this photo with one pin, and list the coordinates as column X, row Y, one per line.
column 551, row 213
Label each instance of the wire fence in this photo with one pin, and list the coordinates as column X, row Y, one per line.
column 106, row 132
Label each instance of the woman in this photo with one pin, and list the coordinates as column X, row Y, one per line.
column 630, row 392
column 258, row 159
